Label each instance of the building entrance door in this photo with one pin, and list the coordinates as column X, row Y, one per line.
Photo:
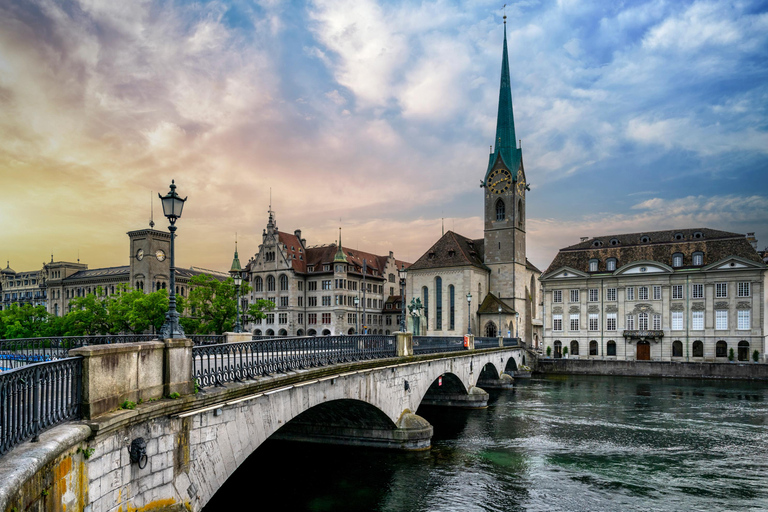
column 643, row 351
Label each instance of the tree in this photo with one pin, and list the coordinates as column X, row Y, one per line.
column 211, row 305
column 24, row 321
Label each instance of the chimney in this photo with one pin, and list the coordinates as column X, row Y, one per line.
column 752, row 240
column 584, row 238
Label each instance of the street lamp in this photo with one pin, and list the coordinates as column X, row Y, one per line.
column 517, row 325
column 357, row 315
column 500, row 334
column 237, row 276
column 403, row 274
column 173, row 204
column 469, row 313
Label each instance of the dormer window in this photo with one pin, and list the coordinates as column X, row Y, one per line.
column 677, row 260
column 698, row 234
column 451, row 253
column 698, row 259
column 431, row 256
column 326, row 268
column 597, row 243
column 311, row 268
column 645, row 239
column 610, row 264
column 593, row 265
column 614, row 241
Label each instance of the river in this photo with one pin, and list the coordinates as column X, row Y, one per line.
column 571, row 443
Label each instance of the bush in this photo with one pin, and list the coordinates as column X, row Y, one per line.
column 549, row 351
column 730, row 354
column 755, row 356
column 565, row 351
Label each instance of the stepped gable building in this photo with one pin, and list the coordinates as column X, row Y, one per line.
column 58, row 282
column 323, row 290
column 677, row 295
column 494, row 270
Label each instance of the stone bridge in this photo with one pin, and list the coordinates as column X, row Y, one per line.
column 196, row 442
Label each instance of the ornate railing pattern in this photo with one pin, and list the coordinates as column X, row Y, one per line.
column 513, row 342
column 486, row 342
column 18, row 352
column 436, row 344
column 207, row 339
column 37, row 397
column 229, row 362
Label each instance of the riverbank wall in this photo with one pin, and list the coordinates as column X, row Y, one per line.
column 688, row 370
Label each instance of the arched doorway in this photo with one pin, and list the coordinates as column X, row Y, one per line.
column 282, row 332
column 351, row 330
column 643, row 350
column 326, row 332
column 558, row 349
column 490, row 330
column 300, row 332
column 574, row 348
column 593, row 348
column 743, row 350
column 311, row 332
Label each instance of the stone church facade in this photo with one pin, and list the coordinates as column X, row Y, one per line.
column 486, row 285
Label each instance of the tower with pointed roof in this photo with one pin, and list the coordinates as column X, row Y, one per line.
column 504, row 187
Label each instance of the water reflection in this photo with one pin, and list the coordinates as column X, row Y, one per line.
column 564, row 444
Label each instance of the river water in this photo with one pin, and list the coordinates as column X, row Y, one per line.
column 557, row 444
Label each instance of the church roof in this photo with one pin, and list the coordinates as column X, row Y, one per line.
column 655, row 246
column 505, row 141
column 491, row 304
column 123, row 270
column 452, row 250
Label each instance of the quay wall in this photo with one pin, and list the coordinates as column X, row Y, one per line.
column 688, row 370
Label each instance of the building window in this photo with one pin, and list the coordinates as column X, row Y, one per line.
column 438, row 303
column 698, row 259
column 721, row 320
column 593, row 322
column 270, row 283
column 677, row 291
column 557, row 322
column 656, row 322
column 327, row 300
column 721, row 349
column 327, row 284
column 499, row 210
column 677, row 260
column 258, row 284
column 574, row 347
column 283, row 318
column 593, row 348
column 270, row 318
column 743, row 290
column 629, row 293
column 312, row 301
column 642, row 320
column 697, row 291
column 312, row 318
column 593, row 265
column 656, row 292
column 610, row 264
column 677, row 320
column 284, row 282
column 610, row 294
column 593, row 295
column 312, row 286
column 574, row 295
column 610, row 322
column 743, row 350
column 425, row 300
column 743, row 317
column 642, row 293
column 677, row 348
column 451, row 308
column 326, row 318
column 630, row 322
column 574, row 322
column 698, row 349
column 284, row 302
column 697, row 320
column 611, row 348
column 721, row 290
column 557, row 296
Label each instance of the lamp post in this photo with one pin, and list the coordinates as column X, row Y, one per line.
column 237, row 276
column 500, row 334
column 517, row 325
column 469, row 313
column 357, row 315
column 173, row 204
column 403, row 274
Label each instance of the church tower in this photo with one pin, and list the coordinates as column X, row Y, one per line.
column 505, row 188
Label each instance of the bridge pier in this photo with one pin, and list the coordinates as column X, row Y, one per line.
column 476, row 398
column 506, row 381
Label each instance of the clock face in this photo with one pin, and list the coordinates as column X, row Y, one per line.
column 140, row 254
column 499, row 181
column 520, row 182
column 160, row 255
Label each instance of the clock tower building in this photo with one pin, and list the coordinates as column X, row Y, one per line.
column 150, row 267
column 505, row 187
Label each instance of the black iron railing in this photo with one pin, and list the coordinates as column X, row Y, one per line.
column 217, row 364
column 207, row 339
column 37, row 397
column 513, row 342
column 486, row 342
column 15, row 353
column 436, row 344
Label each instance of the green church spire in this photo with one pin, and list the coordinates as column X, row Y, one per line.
column 505, row 142
column 340, row 256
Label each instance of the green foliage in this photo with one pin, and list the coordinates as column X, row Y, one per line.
column 565, row 351
column 128, row 405
column 730, row 354
column 549, row 351
column 755, row 356
column 174, row 395
column 211, row 305
column 25, row 321
column 87, row 452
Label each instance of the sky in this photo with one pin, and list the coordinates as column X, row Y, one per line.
column 376, row 117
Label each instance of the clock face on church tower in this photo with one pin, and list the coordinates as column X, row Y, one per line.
column 499, row 181
column 520, row 182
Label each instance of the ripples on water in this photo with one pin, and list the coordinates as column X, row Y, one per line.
column 565, row 444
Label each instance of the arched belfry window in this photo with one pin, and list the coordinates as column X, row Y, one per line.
column 500, row 210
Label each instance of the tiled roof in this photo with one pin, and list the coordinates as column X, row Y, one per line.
column 452, row 250
column 491, row 304
column 655, row 246
column 99, row 272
